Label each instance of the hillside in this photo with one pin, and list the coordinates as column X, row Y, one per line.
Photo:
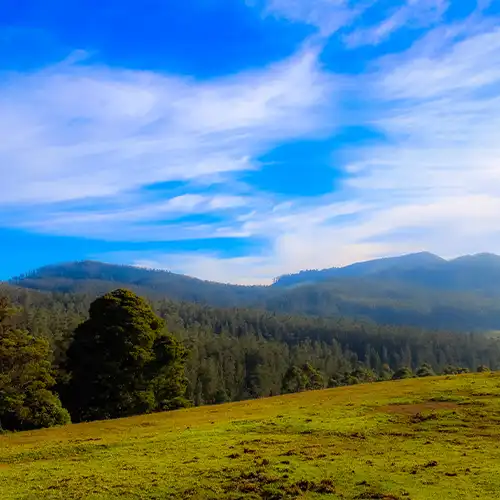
column 472, row 273
column 411, row 439
column 421, row 290
column 97, row 277
column 362, row 269
column 240, row 353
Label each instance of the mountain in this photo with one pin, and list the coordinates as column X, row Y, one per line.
column 472, row 273
column 359, row 269
column 97, row 278
column 420, row 290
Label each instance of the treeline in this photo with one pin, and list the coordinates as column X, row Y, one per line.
column 236, row 354
column 120, row 362
column 239, row 354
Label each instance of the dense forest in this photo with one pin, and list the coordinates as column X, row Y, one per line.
column 234, row 353
column 461, row 295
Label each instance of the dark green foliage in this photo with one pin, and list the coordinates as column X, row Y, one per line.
column 295, row 380
column 239, row 354
column 315, row 379
column 360, row 375
column 26, row 401
column 454, row 370
column 401, row 373
column 425, row 370
column 122, row 362
column 483, row 369
column 303, row 378
column 386, row 373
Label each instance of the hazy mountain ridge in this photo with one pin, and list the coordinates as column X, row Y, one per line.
column 478, row 273
column 422, row 289
column 358, row 269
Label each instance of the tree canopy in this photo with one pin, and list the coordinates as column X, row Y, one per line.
column 26, row 401
column 122, row 362
column 112, row 356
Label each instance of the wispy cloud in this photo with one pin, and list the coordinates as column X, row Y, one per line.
column 433, row 184
column 411, row 14
column 353, row 19
column 140, row 156
column 327, row 15
column 82, row 142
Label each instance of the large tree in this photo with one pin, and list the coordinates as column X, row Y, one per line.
column 122, row 361
column 26, row 401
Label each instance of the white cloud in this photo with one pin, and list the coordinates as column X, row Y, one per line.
column 328, row 15
column 434, row 184
column 81, row 143
column 411, row 14
column 331, row 16
column 73, row 131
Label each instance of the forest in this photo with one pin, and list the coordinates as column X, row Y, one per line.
column 203, row 355
column 464, row 295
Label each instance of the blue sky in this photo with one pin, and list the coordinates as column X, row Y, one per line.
column 239, row 140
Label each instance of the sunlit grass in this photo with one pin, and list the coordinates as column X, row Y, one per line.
column 413, row 439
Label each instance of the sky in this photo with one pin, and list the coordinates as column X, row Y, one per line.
column 239, row 140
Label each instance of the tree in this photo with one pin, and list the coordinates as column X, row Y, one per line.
column 454, row 370
column 294, row 380
column 304, row 378
column 314, row 377
column 483, row 369
column 363, row 374
column 401, row 373
column 122, row 362
column 425, row 370
column 26, row 401
column 386, row 373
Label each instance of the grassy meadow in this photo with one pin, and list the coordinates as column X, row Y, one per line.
column 419, row 439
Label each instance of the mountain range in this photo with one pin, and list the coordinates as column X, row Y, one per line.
column 475, row 273
column 419, row 289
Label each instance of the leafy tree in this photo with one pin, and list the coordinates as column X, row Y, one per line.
column 425, row 370
column 483, row 369
column 336, row 380
column 314, row 378
column 294, row 380
column 304, row 378
column 454, row 370
column 26, row 401
column 221, row 397
column 122, row 362
column 402, row 373
column 364, row 374
column 386, row 373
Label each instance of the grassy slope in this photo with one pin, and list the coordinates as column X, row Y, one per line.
column 417, row 439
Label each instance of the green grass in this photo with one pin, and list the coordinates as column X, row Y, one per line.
column 419, row 439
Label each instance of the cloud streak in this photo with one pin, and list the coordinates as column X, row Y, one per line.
column 433, row 184
column 124, row 155
column 83, row 144
column 77, row 131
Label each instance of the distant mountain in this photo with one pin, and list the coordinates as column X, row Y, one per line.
column 421, row 290
column 97, row 277
column 473, row 273
column 360, row 269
